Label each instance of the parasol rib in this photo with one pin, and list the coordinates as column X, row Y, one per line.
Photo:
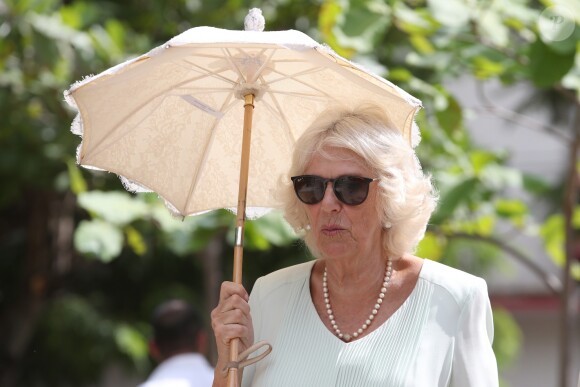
column 264, row 63
column 233, row 65
column 208, row 146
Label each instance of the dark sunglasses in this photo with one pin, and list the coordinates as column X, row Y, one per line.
column 351, row 190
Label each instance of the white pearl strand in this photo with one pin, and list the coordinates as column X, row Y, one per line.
column 345, row 336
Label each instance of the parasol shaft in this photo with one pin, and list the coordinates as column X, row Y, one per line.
column 233, row 376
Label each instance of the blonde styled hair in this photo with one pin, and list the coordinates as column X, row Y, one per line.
column 406, row 197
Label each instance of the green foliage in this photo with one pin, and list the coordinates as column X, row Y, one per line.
column 265, row 232
column 135, row 240
column 474, row 255
column 548, row 66
column 432, row 246
column 450, row 116
column 77, row 183
column 507, row 337
column 354, row 26
column 77, row 320
column 553, row 234
column 512, row 209
column 457, row 194
column 133, row 343
column 117, row 208
column 114, row 213
column 99, row 239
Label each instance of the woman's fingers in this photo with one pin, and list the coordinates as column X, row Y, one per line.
column 231, row 317
column 235, row 316
column 229, row 289
column 233, row 306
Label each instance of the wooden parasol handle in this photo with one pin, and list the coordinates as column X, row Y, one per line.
column 233, row 376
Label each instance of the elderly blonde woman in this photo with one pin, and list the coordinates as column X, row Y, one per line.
column 365, row 312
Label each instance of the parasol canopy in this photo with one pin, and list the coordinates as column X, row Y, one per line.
column 170, row 121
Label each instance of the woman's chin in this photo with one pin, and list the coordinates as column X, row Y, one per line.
column 335, row 249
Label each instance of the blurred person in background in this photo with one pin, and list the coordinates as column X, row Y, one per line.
column 178, row 345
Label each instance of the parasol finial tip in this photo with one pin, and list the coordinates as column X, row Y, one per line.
column 254, row 20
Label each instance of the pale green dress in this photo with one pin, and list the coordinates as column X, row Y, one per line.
column 440, row 336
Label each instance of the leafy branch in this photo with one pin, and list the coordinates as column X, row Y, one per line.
column 550, row 281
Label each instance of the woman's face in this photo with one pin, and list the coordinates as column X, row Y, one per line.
column 339, row 230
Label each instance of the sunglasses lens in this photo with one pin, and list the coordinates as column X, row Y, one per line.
column 309, row 189
column 351, row 190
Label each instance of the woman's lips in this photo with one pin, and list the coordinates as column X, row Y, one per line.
column 332, row 230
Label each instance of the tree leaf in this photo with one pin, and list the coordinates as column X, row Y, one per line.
column 275, row 229
column 497, row 177
column 535, row 185
column 510, row 208
column 330, row 11
column 484, row 68
column 411, row 21
column 131, row 342
column 572, row 79
column 431, row 246
column 458, row 194
column 400, row 74
column 253, row 239
column 450, row 13
column 491, row 26
column 422, row 44
column 481, row 159
column 552, row 232
column 98, row 238
column 77, row 183
column 118, row 207
column 548, row 67
column 576, row 218
column 135, row 240
column 484, row 225
column 358, row 23
column 116, row 33
column 508, row 337
column 450, row 118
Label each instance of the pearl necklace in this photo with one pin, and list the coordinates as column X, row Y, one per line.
column 344, row 336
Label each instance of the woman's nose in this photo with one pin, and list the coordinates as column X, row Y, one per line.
column 330, row 202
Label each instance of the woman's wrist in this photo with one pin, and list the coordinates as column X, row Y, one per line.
column 219, row 380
